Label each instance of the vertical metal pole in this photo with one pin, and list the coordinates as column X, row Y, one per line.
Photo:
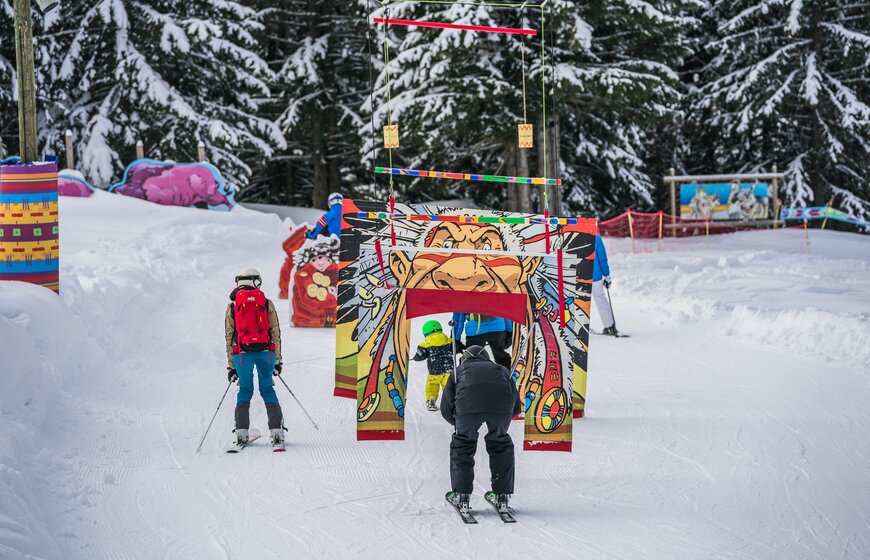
column 70, row 154
column 200, row 148
column 673, row 185
column 26, row 80
column 140, row 150
column 775, row 204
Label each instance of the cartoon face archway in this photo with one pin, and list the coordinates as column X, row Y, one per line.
column 445, row 259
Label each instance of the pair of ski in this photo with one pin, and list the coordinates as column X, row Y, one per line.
column 617, row 335
column 254, row 435
column 468, row 518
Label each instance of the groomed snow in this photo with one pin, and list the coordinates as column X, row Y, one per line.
column 732, row 424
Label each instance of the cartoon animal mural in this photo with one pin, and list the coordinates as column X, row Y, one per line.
column 458, row 264
column 743, row 204
column 198, row 185
column 73, row 183
column 724, row 201
column 702, row 204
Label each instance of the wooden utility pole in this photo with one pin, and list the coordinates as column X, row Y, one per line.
column 523, row 192
column 26, row 80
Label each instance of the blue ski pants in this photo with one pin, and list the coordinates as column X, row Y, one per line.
column 265, row 364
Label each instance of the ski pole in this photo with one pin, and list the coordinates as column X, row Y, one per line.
column 299, row 403
column 610, row 303
column 213, row 417
column 453, row 344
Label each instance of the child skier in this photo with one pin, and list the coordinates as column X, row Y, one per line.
column 253, row 341
column 437, row 350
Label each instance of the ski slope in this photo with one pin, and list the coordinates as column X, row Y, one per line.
column 733, row 424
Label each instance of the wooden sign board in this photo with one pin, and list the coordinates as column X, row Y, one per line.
column 391, row 136
column 526, row 135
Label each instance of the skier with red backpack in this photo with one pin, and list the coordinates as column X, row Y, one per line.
column 253, row 337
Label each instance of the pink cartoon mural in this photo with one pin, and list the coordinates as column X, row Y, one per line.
column 199, row 185
column 73, row 183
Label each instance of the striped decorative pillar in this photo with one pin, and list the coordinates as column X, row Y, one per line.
column 29, row 241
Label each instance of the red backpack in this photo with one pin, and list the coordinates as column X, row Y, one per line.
column 252, row 322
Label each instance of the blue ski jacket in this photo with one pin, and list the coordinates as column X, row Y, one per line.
column 479, row 324
column 600, row 268
column 328, row 224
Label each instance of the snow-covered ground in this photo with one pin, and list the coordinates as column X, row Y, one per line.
column 732, row 424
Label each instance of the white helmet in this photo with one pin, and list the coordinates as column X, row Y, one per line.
column 249, row 277
column 335, row 198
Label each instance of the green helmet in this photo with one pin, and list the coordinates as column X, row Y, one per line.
column 430, row 327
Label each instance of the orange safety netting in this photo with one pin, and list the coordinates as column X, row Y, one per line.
column 640, row 225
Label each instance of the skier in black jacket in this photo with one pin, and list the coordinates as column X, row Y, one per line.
column 480, row 392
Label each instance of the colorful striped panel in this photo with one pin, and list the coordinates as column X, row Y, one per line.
column 29, row 228
column 468, row 176
column 469, row 219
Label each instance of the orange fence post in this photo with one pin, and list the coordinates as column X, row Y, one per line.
column 661, row 227
column 707, row 227
column 630, row 229
column 827, row 211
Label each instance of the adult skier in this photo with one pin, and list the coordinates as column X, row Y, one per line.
column 329, row 223
column 480, row 392
column 481, row 330
column 253, row 337
column 601, row 280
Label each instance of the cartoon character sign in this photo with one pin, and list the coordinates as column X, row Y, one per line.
column 72, row 183
column 743, row 204
column 734, row 201
column 459, row 264
column 198, row 185
column 702, row 204
column 315, row 281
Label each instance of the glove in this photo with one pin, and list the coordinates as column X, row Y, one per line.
column 278, row 367
column 310, row 234
column 606, row 281
column 232, row 376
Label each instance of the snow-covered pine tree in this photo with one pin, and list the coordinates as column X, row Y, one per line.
column 610, row 85
column 318, row 51
column 456, row 96
column 47, row 44
column 8, row 124
column 617, row 96
column 166, row 72
column 787, row 84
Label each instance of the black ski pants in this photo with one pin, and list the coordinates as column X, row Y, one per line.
column 499, row 446
column 496, row 341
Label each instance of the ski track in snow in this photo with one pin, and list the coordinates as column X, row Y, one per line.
column 732, row 424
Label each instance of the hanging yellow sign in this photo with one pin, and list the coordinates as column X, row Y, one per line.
column 391, row 136
column 526, row 135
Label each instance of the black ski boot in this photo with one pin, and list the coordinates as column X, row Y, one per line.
column 461, row 501
column 610, row 331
